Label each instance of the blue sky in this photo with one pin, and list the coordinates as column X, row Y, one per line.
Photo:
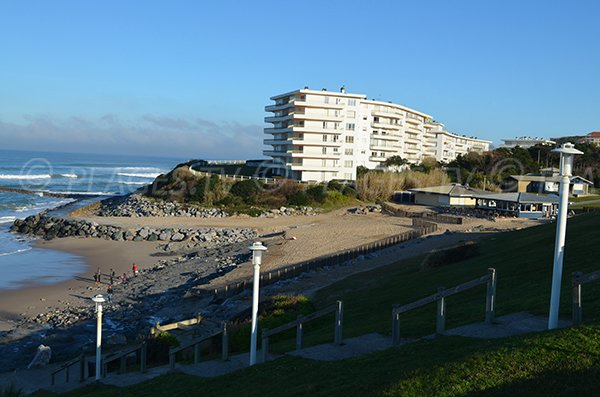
column 192, row 78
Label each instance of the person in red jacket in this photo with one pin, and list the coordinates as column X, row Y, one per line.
column 134, row 269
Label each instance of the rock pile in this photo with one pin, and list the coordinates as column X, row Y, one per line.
column 136, row 205
column 287, row 211
column 52, row 227
column 365, row 209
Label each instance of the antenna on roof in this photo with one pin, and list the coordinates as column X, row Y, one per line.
column 343, row 89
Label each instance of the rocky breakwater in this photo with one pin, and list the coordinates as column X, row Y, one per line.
column 52, row 227
column 136, row 205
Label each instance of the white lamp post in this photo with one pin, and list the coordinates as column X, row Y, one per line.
column 567, row 152
column 257, row 250
column 98, row 300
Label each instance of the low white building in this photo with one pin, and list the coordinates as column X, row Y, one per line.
column 323, row 135
column 525, row 142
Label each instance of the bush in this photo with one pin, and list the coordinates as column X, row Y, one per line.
column 159, row 346
column 248, row 190
column 317, row 193
column 11, row 390
column 464, row 251
column 335, row 185
column 349, row 191
column 299, row 199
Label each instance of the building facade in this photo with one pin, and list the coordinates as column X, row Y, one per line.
column 324, row 135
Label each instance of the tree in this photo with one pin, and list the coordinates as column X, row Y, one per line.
column 395, row 161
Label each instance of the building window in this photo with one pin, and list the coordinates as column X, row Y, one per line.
column 324, row 163
column 324, row 138
column 351, row 102
column 376, row 119
column 349, row 139
column 326, row 99
column 350, row 126
column 351, row 114
column 336, row 126
column 348, row 152
column 348, row 163
column 324, row 150
column 324, row 125
column 335, row 150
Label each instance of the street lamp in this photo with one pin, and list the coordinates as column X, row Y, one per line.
column 567, row 153
column 257, row 250
column 98, row 300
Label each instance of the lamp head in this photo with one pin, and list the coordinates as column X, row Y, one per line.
column 257, row 249
column 99, row 299
column 567, row 153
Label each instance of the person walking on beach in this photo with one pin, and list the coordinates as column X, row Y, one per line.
column 109, row 292
column 112, row 276
column 124, row 278
column 134, row 269
column 97, row 277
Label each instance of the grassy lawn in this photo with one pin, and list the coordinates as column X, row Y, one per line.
column 583, row 198
column 560, row 363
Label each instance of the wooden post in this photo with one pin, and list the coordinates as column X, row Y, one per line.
column 395, row 328
column 577, row 310
column 122, row 364
column 490, row 300
column 197, row 352
column 143, row 357
column 339, row 323
column 171, row 359
column 440, row 323
column 265, row 345
column 225, row 342
column 299, row 333
column 81, row 367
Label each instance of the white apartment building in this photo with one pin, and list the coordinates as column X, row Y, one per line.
column 324, row 135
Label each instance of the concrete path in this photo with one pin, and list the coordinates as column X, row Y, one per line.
column 352, row 347
column 505, row 326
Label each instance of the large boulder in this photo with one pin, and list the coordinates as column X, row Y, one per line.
column 42, row 357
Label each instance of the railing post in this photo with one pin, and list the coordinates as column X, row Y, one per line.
column 265, row 345
column 577, row 310
column 143, row 357
column 81, row 367
column 395, row 327
column 225, row 342
column 440, row 323
column 339, row 323
column 122, row 365
column 197, row 353
column 490, row 300
column 299, row 333
column 171, row 359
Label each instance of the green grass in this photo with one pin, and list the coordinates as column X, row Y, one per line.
column 563, row 362
column 583, row 198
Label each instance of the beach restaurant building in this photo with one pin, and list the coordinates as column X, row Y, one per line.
column 522, row 205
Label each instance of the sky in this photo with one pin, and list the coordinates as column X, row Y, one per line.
column 191, row 78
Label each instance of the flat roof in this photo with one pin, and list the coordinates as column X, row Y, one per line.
column 319, row 92
column 454, row 190
column 521, row 198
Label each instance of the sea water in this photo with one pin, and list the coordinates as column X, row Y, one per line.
column 100, row 175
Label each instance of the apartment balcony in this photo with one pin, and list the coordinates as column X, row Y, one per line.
column 317, row 104
column 413, row 120
column 312, row 130
column 377, row 159
column 385, row 148
column 388, row 137
column 275, row 153
column 273, row 130
column 386, row 126
column 412, row 150
column 301, row 154
column 277, row 107
column 276, row 142
column 302, row 167
column 409, row 138
column 314, row 142
column 384, row 113
column 413, row 128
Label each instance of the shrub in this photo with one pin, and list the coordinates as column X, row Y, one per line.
column 335, row 185
column 463, row 251
column 349, row 191
column 317, row 193
column 299, row 199
column 248, row 190
column 159, row 345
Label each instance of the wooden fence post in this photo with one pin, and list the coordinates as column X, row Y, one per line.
column 490, row 300
column 82, row 367
column 143, row 357
column 577, row 310
column 395, row 328
column 171, row 359
column 197, row 353
column 339, row 323
column 299, row 333
column 225, row 342
column 265, row 345
column 440, row 323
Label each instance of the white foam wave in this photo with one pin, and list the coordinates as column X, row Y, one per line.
column 7, row 219
column 139, row 175
column 69, row 176
column 84, row 193
column 25, row 176
column 15, row 252
column 134, row 183
column 134, row 169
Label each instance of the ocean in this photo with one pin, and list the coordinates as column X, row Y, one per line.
column 100, row 175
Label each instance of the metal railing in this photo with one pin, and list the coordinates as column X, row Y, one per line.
column 577, row 280
column 65, row 367
column 196, row 345
column 122, row 357
column 338, row 308
column 440, row 298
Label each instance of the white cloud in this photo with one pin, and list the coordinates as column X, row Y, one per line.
column 146, row 135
